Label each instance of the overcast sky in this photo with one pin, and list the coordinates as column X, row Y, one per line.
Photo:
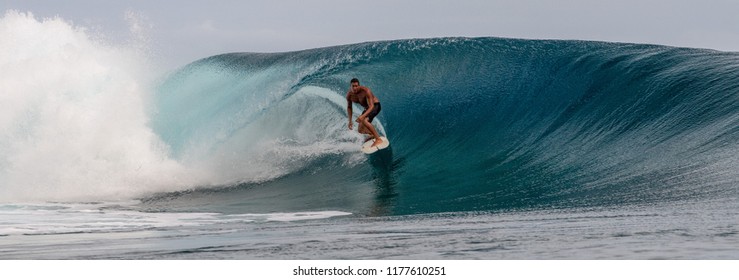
column 186, row 30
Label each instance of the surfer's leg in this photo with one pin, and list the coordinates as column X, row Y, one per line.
column 364, row 130
column 368, row 126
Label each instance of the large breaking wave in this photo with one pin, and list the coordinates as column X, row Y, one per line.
column 475, row 124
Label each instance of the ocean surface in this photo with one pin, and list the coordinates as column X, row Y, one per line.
column 500, row 149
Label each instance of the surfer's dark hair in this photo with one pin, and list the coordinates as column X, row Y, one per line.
column 355, row 80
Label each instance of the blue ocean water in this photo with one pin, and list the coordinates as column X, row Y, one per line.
column 500, row 149
column 475, row 124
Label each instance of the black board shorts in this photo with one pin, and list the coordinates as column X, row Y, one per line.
column 371, row 116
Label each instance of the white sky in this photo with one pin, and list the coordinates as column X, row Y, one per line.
column 186, row 30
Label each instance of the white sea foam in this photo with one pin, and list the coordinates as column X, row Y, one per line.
column 66, row 218
column 73, row 122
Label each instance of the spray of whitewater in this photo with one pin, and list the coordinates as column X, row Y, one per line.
column 72, row 116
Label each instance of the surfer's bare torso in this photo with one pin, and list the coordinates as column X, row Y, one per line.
column 361, row 95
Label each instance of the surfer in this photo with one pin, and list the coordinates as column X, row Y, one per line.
column 363, row 95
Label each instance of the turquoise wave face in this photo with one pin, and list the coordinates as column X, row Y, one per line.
column 475, row 124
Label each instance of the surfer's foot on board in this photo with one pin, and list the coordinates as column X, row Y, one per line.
column 377, row 142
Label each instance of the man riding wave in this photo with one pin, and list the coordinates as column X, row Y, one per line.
column 363, row 95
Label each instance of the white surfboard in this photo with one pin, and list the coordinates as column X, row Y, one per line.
column 368, row 149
